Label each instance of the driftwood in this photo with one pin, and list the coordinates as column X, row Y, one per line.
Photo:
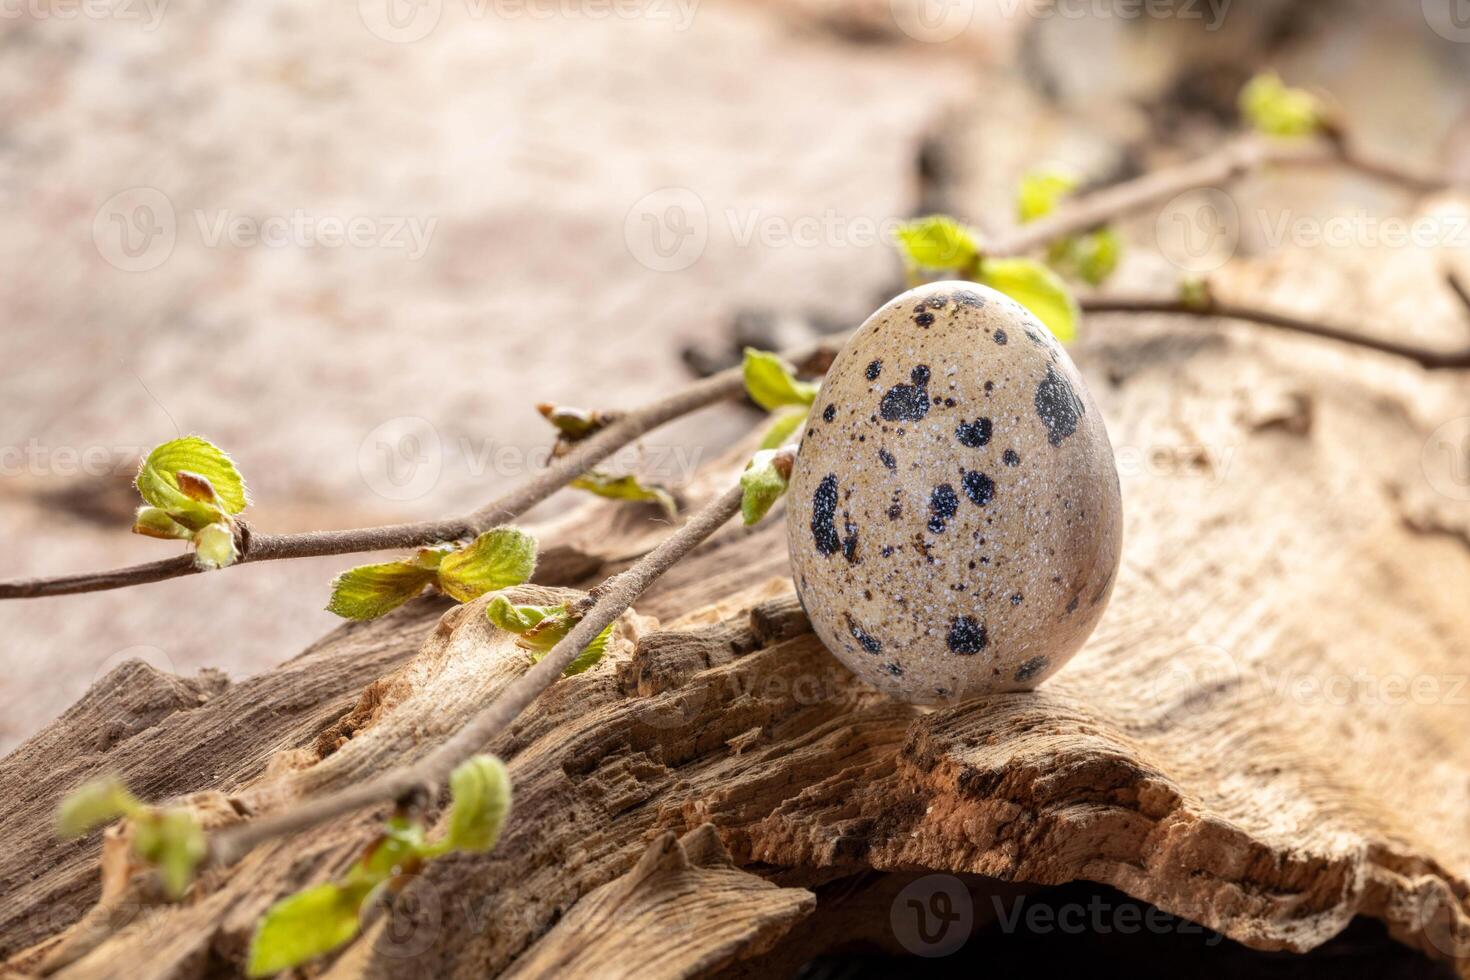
column 1265, row 736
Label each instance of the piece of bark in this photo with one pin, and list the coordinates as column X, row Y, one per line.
column 1265, row 736
column 683, row 910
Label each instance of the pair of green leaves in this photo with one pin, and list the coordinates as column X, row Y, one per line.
column 497, row 559
column 939, row 243
column 542, row 627
column 1273, row 108
column 319, row 919
column 166, row 838
column 192, row 492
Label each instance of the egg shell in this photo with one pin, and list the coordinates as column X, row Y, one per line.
column 954, row 514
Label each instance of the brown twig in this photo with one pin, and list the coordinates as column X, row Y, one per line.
column 1225, row 166
column 1423, row 356
column 270, row 547
column 615, row 596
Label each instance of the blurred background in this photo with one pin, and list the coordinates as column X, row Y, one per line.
column 355, row 242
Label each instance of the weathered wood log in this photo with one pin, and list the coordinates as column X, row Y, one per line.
column 1265, row 736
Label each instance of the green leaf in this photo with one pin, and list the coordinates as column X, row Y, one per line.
column 305, row 925
column 554, row 626
column 786, row 423
column 937, row 242
column 542, row 627
column 399, row 850
column 159, row 483
column 497, row 559
column 94, row 803
column 156, row 523
column 626, row 488
column 172, row 841
column 763, row 483
column 482, row 792
column 370, row 591
column 1276, row 110
column 591, row 654
column 1040, row 191
column 772, row 383
column 517, row 619
column 1037, row 288
column 214, row 546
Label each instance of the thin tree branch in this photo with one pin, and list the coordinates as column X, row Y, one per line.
column 1423, row 356
column 1225, row 166
column 270, row 547
column 613, row 598
column 1079, row 214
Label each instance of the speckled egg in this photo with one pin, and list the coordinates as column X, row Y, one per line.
column 954, row 514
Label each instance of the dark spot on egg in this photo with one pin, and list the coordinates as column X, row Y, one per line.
column 829, row 413
column 1016, row 599
column 905, row 403
column 850, row 541
column 979, row 488
column 920, row 375
column 1000, row 337
column 887, row 459
column 824, row 515
column 925, row 319
column 1058, row 406
column 970, row 298
column 893, row 669
column 1030, row 669
column 1072, row 606
column 875, row 368
column 864, row 638
column 974, row 434
column 943, row 502
column 1011, row 458
column 895, row 512
column 966, row 636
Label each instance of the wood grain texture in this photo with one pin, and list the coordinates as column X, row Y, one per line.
column 1266, row 735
